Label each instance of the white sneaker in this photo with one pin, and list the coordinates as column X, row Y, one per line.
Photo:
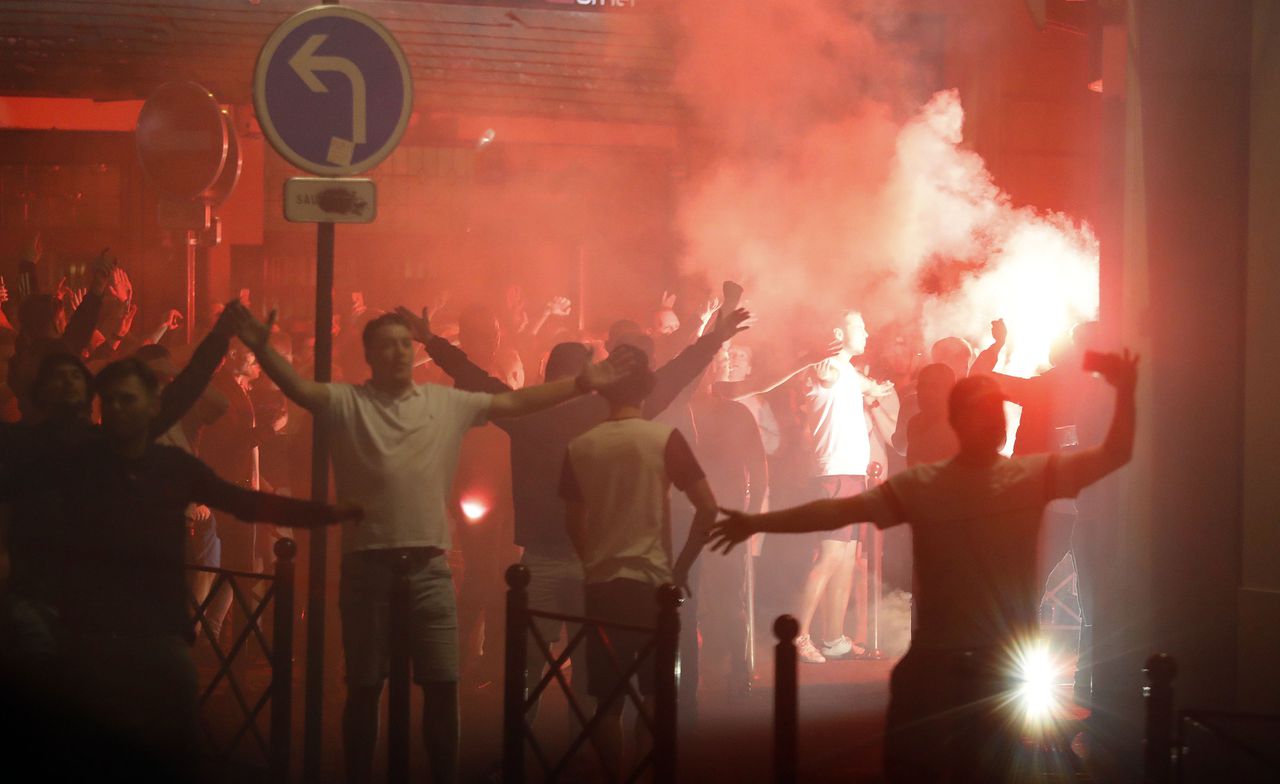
column 841, row 647
column 808, row 654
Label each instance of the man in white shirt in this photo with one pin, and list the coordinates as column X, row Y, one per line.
column 975, row 520
column 836, row 420
column 395, row 449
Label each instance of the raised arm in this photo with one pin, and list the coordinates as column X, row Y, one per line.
column 189, row 385
column 675, row 376
column 985, row 363
column 309, row 394
column 1078, row 470
column 595, row 376
column 451, row 359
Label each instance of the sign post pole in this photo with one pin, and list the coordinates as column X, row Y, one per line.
column 333, row 94
column 313, row 728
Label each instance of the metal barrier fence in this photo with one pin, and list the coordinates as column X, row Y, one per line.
column 659, row 652
column 1194, row 746
column 786, row 718
column 272, row 749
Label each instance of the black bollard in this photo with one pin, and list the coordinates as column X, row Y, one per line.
column 398, row 699
column 666, row 683
column 513, row 687
column 282, row 660
column 786, row 720
column 1157, row 746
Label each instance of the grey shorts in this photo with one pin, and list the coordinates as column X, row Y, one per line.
column 842, row 486
column 364, row 598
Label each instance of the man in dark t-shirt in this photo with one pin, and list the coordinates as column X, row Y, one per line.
column 975, row 520
column 122, row 499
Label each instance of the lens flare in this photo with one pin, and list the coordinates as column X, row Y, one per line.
column 1037, row 675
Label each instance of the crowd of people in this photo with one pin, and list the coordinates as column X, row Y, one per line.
column 119, row 467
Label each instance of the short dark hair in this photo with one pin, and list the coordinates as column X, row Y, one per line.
column 622, row 328
column 52, row 362
column 936, row 373
column 633, row 389
column 966, row 391
column 130, row 367
column 385, row 320
column 567, row 359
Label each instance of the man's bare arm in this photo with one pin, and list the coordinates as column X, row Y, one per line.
column 827, row 514
column 311, row 395
column 1080, row 469
column 704, row 504
column 598, row 375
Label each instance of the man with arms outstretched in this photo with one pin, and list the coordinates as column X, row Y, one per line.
column 395, row 449
column 975, row 520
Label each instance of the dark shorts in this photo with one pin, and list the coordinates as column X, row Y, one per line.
column 629, row 602
column 843, row 486
column 364, row 598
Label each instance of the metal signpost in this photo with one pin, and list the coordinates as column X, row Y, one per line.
column 189, row 150
column 333, row 95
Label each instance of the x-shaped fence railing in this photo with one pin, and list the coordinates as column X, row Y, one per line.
column 278, row 598
column 659, row 651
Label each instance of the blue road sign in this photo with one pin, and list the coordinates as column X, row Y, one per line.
column 332, row 91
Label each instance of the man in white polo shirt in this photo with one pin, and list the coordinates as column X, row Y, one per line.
column 395, row 450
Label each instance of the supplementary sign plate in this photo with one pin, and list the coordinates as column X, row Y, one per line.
column 330, row 200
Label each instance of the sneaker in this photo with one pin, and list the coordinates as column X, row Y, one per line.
column 808, row 654
column 841, row 647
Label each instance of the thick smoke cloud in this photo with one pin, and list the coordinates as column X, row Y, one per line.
column 833, row 175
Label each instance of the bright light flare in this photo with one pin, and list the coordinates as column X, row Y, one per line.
column 1037, row 674
column 474, row 509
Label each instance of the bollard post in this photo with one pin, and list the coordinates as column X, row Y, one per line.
column 513, row 686
column 1157, row 745
column 665, row 660
column 282, row 660
column 399, row 697
column 786, row 722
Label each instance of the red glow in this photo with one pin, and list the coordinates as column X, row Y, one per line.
column 1096, row 85
column 474, row 509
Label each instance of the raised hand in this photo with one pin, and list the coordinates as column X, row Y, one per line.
column 619, row 365
column 708, row 308
column 1120, row 370
column 730, row 531
column 999, row 332
column 668, row 301
column 419, row 326
column 4, row 292
column 60, row 292
column 126, row 319
column 252, row 333
column 731, row 323
column 173, row 320
column 818, row 356
column 559, row 306
column 74, row 298
column 121, row 287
